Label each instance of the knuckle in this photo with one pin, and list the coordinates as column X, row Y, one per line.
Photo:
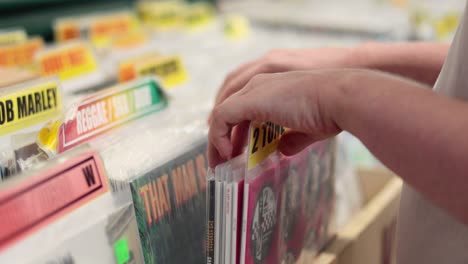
column 216, row 113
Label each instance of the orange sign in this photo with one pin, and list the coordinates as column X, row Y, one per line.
column 68, row 62
column 67, row 31
column 21, row 54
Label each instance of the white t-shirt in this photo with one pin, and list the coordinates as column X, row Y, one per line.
column 426, row 233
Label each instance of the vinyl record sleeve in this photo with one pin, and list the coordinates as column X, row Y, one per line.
column 227, row 216
column 219, row 214
column 261, row 198
column 170, row 206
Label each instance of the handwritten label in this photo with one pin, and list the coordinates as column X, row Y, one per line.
column 109, row 109
column 161, row 15
column 12, row 37
column 68, row 61
column 236, row 27
column 49, row 195
column 127, row 69
column 67, row 30
column 130, row 40
column 36, row 103
column 104, row 28
column 263, row 141
column 171, row 70
column 198, row 14
column 21, row 54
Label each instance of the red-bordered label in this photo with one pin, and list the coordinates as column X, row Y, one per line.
column 49, row 195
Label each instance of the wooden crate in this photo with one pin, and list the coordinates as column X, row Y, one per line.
column 369, row 237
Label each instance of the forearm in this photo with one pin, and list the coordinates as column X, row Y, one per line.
column 418, row 134
column 418, row 61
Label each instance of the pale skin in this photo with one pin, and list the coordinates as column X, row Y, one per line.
column 417, row 133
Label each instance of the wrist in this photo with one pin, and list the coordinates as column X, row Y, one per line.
column 343, row 96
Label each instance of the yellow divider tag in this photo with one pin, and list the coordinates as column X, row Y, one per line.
column 263, row 141
column 68, row 60
column 15, row 36
column 198, row 15
column 67, row 30
column 446, row 25
column 236, row 27
column 20, row 54
column 103, row 29
column 129, row 40
column 170, row 70
column 127, row 71
column 29, row 104
column 163, row 15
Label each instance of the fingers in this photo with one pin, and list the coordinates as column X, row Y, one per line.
column 225, row 116
column 239, row 137
column 234, row 75
column 239, row 140
column 240, row 80
column 214, row 158
column 293, row 142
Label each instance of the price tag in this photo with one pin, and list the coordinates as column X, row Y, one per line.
column 67, row 30
column 263, row 141
column 161, row 15
column 103, row 29
column 50, row 193
column 171, row 70
column 446, row 25
column 12, row 37
column 20, row 54
column 127, row 70
column 109, row 109
column 236, row 27
column 29, row 104
column 67, row 61
column 198, row 14
column 129, row 40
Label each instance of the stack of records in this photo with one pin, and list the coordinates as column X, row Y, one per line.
column 263, row 207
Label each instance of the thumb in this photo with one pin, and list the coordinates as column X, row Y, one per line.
column 293, row 142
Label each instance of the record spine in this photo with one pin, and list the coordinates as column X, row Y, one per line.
column 244, row 224
column 210, row 197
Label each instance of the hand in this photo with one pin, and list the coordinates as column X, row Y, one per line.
column 283, row 60
column 303, row 101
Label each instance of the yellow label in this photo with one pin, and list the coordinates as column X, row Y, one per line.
column 21, row 54
column 171, row 70
column 130, row 40
column 263, row 141
column 161, row 15
column 68, row 62
column 102, row 30
column 198, row 14
column 446, row 25
column 47, row 138
column 12, row 37
column 236, row 27
column 67, row 30
column 39, row 103
column 127, row 70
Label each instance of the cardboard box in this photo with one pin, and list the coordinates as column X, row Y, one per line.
column 369, row 237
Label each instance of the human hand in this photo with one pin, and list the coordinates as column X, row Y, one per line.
column 303, row 101
column 283, row 60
